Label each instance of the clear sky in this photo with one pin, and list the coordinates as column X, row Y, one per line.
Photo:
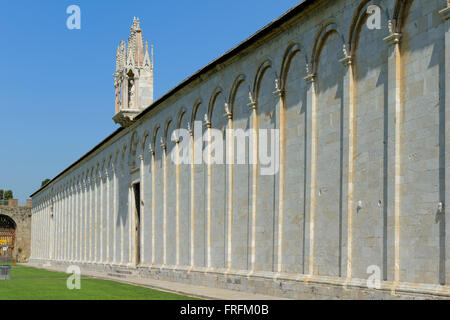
column 56, row 84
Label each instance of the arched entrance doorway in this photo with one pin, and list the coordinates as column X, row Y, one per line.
column 7, row 236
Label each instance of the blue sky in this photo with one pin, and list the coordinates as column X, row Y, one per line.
column 56, row 85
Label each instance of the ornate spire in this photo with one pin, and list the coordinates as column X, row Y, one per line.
column 134, row 91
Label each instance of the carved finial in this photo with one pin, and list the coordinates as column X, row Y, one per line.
column 347, row 60
column 392, row 26
column 252, row 103
column 344, row 50
column 163, row 145
column 277, row 85
column 228, row 113
column 308, row 68
column 250, row 96
column 207, row 121
column 176, row 137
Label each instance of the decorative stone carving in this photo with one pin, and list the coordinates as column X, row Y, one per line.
column 252, row 104
column 228, row 113
column 133, row 78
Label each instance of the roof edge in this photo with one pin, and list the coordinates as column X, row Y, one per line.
column 221, row 59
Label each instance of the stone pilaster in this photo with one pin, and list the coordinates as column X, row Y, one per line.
column 444, row 266
column 152, row 152
column 209, row 198
column 164, row 159
column 394, row 152
column 102, row 219
column 91, row 220
column 254, row 187
column 142, row 221
column 95, row 221
column 230, row 164
column 311, row 125
column 85, row 235
column 73, row 213
column 191, row 133
column 281, row 106
column 115, row 212
column 177, row 204
column 349, row 130
column 108, row 217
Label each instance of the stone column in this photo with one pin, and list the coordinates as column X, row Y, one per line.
column 44, row 226
column 280, row 95
column 445, row 13
column 37, row 231
column 102, row 219
column 49, row 222
column 125, row 93
column 209, row 197
column 394, row 148
column 122, row 232
column 64, row 225
column 77, row 242
column 73, row 226
column 46, row 250
column 66, row 220
column 191, row 133
column 164, row 159
column 349, row 130
column 115, row 203
column 177, row 146
column 72, row 214
column 57, row 237
column 152, row 152
column 230, row 164
column 108, row 217
column 85, row 235
column 92, row 188
column 254, row 160
column 95, row 248
column 40, row 230
column 55, row 227
column 142, row 209
column 311, row 124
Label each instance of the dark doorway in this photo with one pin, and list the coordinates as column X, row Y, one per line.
column 7, row 237
column 137, row 219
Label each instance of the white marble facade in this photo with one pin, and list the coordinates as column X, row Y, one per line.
column 363, row 122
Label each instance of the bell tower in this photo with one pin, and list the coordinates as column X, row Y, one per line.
column 133, row 79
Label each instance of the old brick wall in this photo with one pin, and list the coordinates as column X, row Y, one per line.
column 22, row 218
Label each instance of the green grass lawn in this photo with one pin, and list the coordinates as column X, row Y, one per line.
column 29, row 283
